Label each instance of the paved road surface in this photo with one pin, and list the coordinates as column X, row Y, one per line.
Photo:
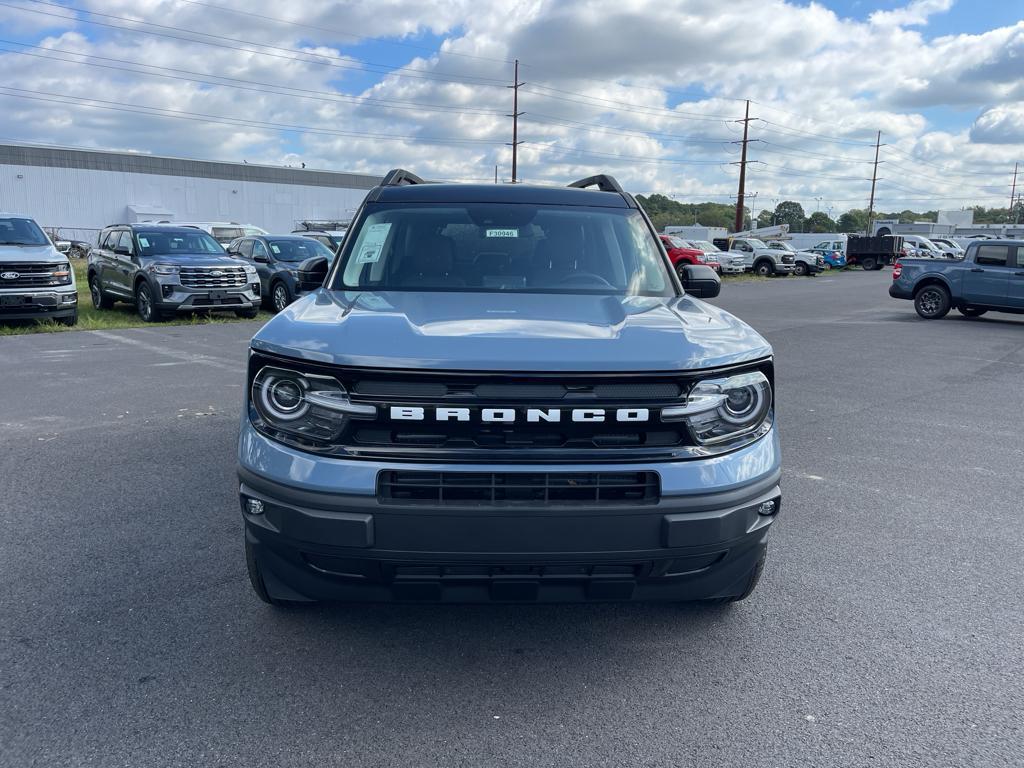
column 888, row 630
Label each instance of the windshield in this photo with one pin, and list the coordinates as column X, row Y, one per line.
column 678, row 242
column 21, row 232
column 158, row 243
column 754, row 242
column 299, row 249
column 706, row 246
column 253, row 231
column 227, row 234
column 781, row 246
column 496, row 248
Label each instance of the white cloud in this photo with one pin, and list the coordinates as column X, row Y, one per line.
column 605, row 78
column 915, row 13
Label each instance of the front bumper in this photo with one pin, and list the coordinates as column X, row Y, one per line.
column 177, row 298
column 38, row 304
column 323, row 533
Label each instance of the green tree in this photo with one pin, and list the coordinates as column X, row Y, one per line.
column 854, row 220
column 764, row 218
column 792, row 213
column 820, row 222
column 664, row 212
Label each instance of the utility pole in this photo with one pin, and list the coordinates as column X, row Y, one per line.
column 1013, row 189
column 515, row 120
column 738, row 224
column 874, row 179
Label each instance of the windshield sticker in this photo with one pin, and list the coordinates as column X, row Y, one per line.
column 373, row 244
column 144, row 242
column 275, row 248
column 502, row 233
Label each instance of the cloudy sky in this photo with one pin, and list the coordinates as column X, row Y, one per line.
column 649, row 90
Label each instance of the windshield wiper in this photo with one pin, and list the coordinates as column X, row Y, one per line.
column 12, row 242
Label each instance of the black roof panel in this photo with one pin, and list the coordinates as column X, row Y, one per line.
column 498, row 193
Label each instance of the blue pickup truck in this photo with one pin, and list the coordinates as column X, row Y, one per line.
column 989, row 277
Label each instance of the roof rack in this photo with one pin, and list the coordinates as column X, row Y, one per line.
column 399, row 177
column 602, row 181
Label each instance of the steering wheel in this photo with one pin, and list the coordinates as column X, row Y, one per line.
column 585, row 278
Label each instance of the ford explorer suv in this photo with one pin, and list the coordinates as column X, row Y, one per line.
column 36, row 280
column 989, row 277
column 276, row 259
column 505, row 393
column 165, row 270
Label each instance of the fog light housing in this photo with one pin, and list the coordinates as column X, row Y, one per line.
column 768, row 508
column 167, row 290
column 255, row 288
column 254, row 506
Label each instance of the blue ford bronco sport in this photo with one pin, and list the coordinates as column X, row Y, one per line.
column 505, row 393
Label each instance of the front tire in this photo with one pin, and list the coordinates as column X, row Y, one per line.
column 764, row 269
column 932, row 302
column 800, row 269
column 70, row 320
column 145, row 304
column 867, row 264
column 281, row 297
column 247, row 314
column 100, row 300
column 971, row 311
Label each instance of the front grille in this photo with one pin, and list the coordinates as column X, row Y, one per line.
column 212, row 277
column 29, row 275
column 788, row 260
column 517, row 488
column 422, row 415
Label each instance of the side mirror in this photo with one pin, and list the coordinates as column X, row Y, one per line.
column 701, row 281
column 312, row 273
column 260, row 259
column 121, row 251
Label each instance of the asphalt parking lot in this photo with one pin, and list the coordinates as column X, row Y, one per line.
column 888, row 629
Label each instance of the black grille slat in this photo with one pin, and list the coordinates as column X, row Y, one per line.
column 517, row 488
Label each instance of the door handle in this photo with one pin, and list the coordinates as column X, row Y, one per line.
column 977, row 269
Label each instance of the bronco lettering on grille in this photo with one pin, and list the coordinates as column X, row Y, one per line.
column 512, row 415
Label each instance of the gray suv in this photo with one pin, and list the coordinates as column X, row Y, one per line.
column 164, row 270
column 504, row 392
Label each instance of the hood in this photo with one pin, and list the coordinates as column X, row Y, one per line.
column 198, row 260
column 509, row 332
column 42, row 253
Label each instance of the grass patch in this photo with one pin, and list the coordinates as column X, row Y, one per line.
column 121, row 316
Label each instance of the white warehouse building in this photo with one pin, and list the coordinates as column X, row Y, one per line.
column 77, row 192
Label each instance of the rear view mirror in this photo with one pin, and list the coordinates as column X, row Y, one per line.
column 700, row 281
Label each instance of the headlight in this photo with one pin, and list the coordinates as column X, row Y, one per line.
column 305, row 406
column 164, row 269
column 702, row 259
column 720, row 410
column 249, row 269
column 61, row 274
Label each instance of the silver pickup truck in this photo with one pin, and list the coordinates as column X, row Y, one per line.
column 36, row 280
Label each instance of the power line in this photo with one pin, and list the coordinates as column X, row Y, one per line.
column 232, row 82
column 218, row 41
column 340, row 33
column 117, row 106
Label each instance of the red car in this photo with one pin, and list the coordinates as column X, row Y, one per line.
column 680, row 253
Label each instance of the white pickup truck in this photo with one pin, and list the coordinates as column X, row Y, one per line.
column 758, row 257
